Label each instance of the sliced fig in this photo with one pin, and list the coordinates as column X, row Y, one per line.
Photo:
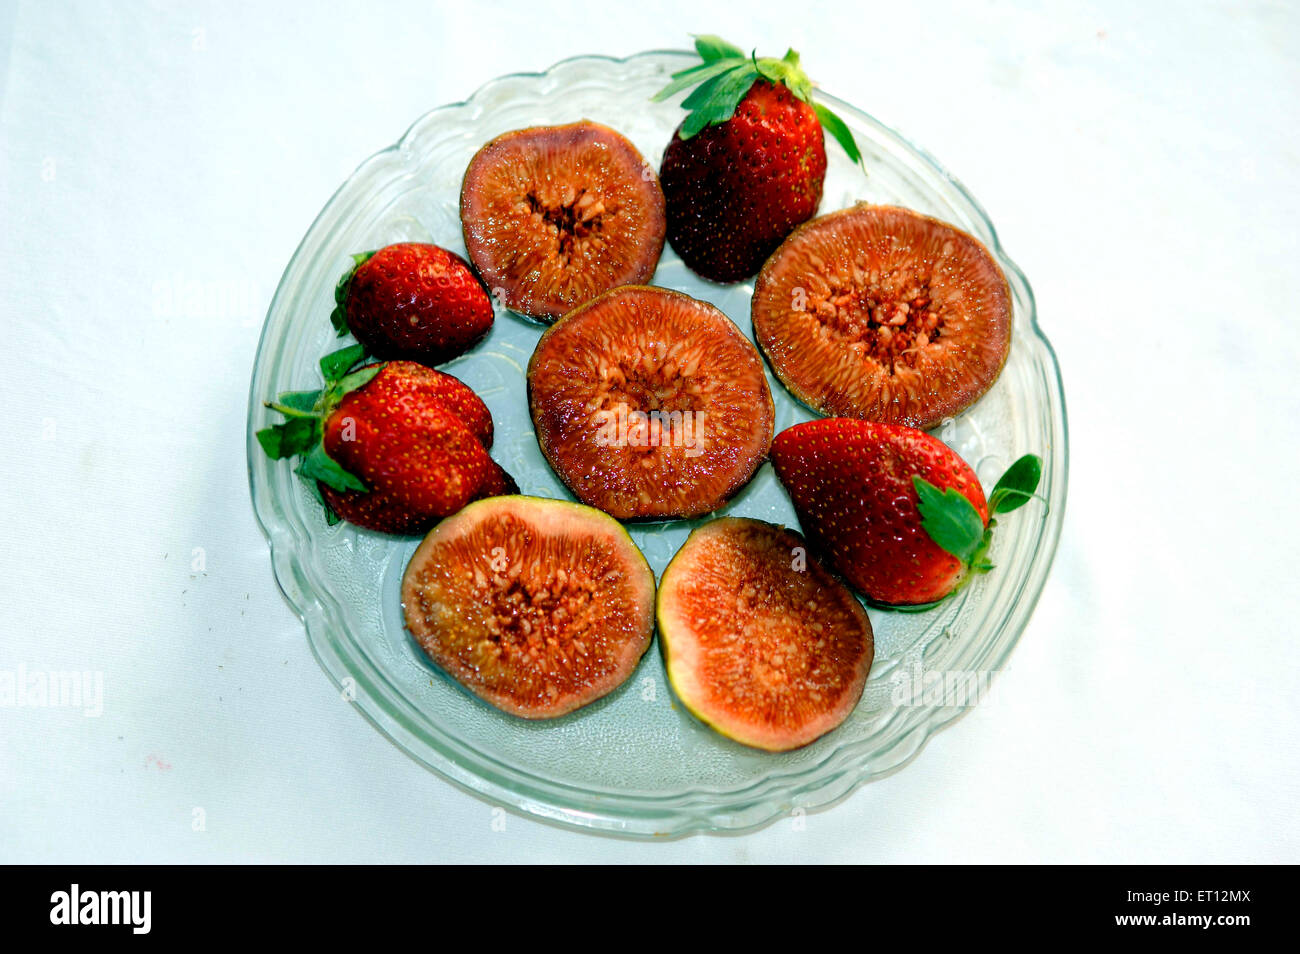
column 555, row 215
column 761, row 641
column 650, row 404
column 883, row 314
column 538, row 607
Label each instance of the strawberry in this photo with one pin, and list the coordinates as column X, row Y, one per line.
column 498, row 483
column 411, row 378
column 746, row 166
column 412, row 301
column 897, row 512
column 393, row 447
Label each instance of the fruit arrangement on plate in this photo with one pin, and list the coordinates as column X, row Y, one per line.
column 652, row 406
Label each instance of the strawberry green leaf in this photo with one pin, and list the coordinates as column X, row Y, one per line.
column 299, row 400
column 787, row 71
column 693, row 123
column 708, row 91
column 839, row 130
column 695, row 75
column 300, row 434
column 726, row 75
column 801, row 86
column 705, row 69
column 339, row 319
column 979, row 562
column 290, row 438
column 272, row 441
column 357, row 378
column 701, row 95
column 774, row 71
column 318, row 465
column 1016, row 487
column 712, row 47
column 716, row 100
column 950, row 519
column 331, row 518
column 335, row 364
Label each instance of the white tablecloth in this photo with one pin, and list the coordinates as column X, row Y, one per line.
column 160, row 163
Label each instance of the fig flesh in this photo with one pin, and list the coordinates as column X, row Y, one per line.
column 883, row 314
column 761, row 641
column 649, row 404
column 538, row 607
column 555, row 215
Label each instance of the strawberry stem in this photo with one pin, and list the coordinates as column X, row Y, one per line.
column 954, row 524
column 726, row 76
column 303, row 434
column 288, row 411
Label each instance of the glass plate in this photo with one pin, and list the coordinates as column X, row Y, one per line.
column 635, row 762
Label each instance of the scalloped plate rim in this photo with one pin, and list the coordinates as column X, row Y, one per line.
column 693, row 811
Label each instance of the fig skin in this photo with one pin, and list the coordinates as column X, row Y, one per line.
column 495, row 597
column 735, row 583
column 553, row 216
column 832, row 353
column 708, row 365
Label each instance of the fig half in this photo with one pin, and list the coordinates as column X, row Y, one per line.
column 650, row 404
column 537, row 606
column 883, row 314
column 760, row 640
column 555, row 215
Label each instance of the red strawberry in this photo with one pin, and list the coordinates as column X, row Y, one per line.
column 897, row 512
column 457, row 396
column 392, row 447
column 497, row 484
column 416, row 457
column 746, row 166
column 413, row 301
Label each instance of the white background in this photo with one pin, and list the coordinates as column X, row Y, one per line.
column 1142, row 168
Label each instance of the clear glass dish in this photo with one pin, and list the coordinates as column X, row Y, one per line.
column 635, row 762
